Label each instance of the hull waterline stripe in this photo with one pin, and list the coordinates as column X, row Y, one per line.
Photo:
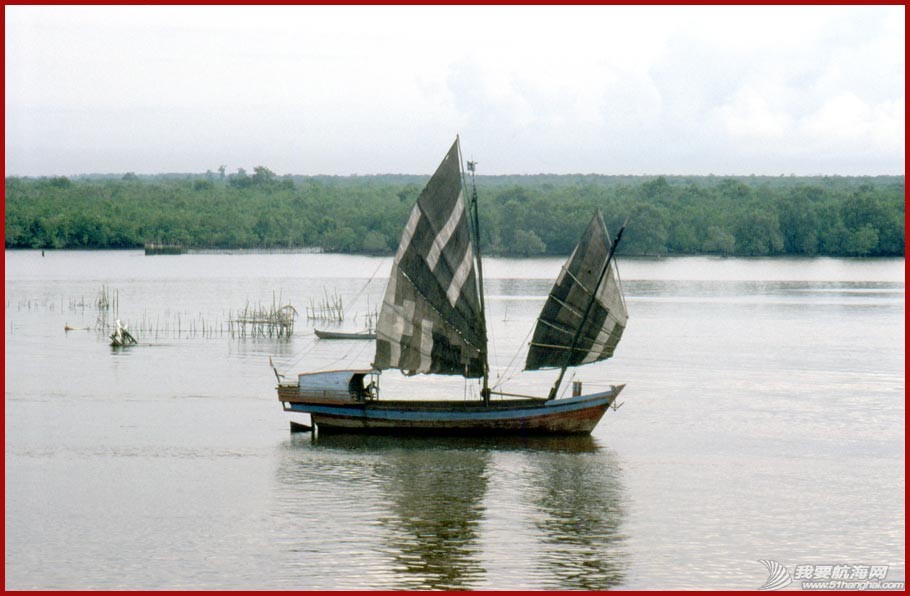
column 358, row 411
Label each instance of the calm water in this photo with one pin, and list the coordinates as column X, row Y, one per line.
column 763, row 419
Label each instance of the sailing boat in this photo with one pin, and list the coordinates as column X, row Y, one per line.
column 432, row 322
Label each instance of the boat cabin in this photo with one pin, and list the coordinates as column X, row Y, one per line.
column 333, row 386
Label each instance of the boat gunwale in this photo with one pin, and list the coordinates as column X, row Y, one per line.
column 405, row 409
column 353, row 371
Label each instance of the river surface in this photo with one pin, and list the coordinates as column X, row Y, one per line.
column 763, row 418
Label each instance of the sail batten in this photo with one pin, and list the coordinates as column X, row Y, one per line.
column 430, row 321
column 578, row 282
column 569, row 308
column 558, row 347
column 572, row 329
column 559, row 328
column 589, row 334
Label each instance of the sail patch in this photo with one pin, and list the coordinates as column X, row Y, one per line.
column 408, row 233
column 442, row 238
column 461, row 275
column 426, row 346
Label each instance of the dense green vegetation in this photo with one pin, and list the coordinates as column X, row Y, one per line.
column 522, row 215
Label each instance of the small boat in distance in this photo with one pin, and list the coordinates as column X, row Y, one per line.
column 152, row 248
column 432, row 321
column 365, row 334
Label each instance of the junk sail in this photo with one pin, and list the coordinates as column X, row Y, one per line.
column 564, row 309
column 431, row 319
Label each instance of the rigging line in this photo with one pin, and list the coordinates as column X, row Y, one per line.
column 366, row 285
column 508, row 379
column 315, row 342
column 566, row 388
column 511, row 362
column 304, row 353
column 360, row 352
column 347, row 355
column 622, row 297
column 492, row 343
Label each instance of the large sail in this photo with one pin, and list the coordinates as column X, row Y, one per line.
column 430, row 320
column 564, row 309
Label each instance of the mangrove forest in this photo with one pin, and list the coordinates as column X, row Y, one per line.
column 522, row 215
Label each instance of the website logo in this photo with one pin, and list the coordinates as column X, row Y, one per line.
column 778, row 576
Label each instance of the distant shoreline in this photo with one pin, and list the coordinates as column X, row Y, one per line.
column 317, row 250
column 521, row 216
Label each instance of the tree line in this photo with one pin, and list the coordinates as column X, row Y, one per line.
column 521, row 215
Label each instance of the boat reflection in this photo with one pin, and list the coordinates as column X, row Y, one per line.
column 436, row 506
column 571, row 494
column 441, row 513
column 580, row 443
column 579, row 501
column 411, row 508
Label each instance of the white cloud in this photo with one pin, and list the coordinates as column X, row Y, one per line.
column 846, row 121
column 751, row 115
column 322, row 89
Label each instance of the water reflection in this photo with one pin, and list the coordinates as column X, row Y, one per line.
column 435, row 495
column 580, row 502
column 439, row 513
column 180, row 441
column 530, row 443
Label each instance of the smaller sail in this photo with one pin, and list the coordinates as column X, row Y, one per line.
column 564, row 311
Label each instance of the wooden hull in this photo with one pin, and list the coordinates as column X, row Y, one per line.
column 341, row 335
column 576, row 415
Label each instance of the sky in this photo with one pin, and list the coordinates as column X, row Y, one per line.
column 343, row 90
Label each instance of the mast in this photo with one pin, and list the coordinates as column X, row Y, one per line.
column 603, row 274
column 485, row 391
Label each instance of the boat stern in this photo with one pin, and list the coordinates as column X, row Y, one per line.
column 328, row 387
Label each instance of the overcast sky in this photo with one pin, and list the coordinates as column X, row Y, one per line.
column 344, row 90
